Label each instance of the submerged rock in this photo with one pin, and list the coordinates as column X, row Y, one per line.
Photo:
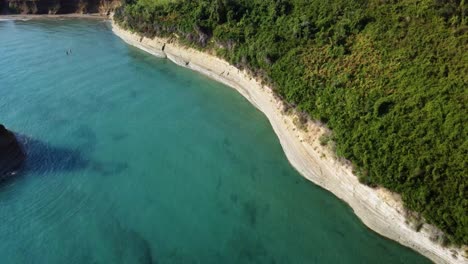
column 11, row 154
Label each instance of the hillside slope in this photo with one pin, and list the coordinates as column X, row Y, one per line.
column 389, row 78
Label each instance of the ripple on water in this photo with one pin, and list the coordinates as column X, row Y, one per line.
column 43, row 178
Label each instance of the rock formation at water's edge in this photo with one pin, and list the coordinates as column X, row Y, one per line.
column 11, row 154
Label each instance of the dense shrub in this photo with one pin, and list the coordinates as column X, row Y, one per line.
column 389, row 77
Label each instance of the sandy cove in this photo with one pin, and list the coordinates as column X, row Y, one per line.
column 52, row 17
column 379, row 209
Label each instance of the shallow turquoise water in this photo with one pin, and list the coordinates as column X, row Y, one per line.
column 135, row 160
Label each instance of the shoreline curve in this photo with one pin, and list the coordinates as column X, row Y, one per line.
column 379, row 209
column 20, row 17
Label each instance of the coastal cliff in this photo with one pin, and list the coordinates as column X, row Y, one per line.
column 11, row 154
column 57, row 6
column 379, row 209
column 386, row 77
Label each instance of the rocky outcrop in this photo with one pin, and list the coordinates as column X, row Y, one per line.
column 59, row 6
column 3, row 6
column 11, row 154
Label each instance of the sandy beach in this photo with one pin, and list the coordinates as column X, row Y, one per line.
column 379, row 209
column 60, row 16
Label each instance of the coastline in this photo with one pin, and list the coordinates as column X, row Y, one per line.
column 54, row 17
column 379, row 209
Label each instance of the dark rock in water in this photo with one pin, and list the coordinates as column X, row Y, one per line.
column 11, row 154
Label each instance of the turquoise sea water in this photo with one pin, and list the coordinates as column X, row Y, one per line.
column 135, row 160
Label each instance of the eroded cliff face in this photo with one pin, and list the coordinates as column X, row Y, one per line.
column 58, row 6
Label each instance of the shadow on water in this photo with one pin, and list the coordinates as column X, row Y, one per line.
column 43, row 158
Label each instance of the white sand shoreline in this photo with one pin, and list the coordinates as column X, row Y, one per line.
column 54, row 17
column 379, row 209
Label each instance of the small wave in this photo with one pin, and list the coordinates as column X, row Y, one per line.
column 14, row 19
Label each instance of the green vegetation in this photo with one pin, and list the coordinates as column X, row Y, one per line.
column 389, row 78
